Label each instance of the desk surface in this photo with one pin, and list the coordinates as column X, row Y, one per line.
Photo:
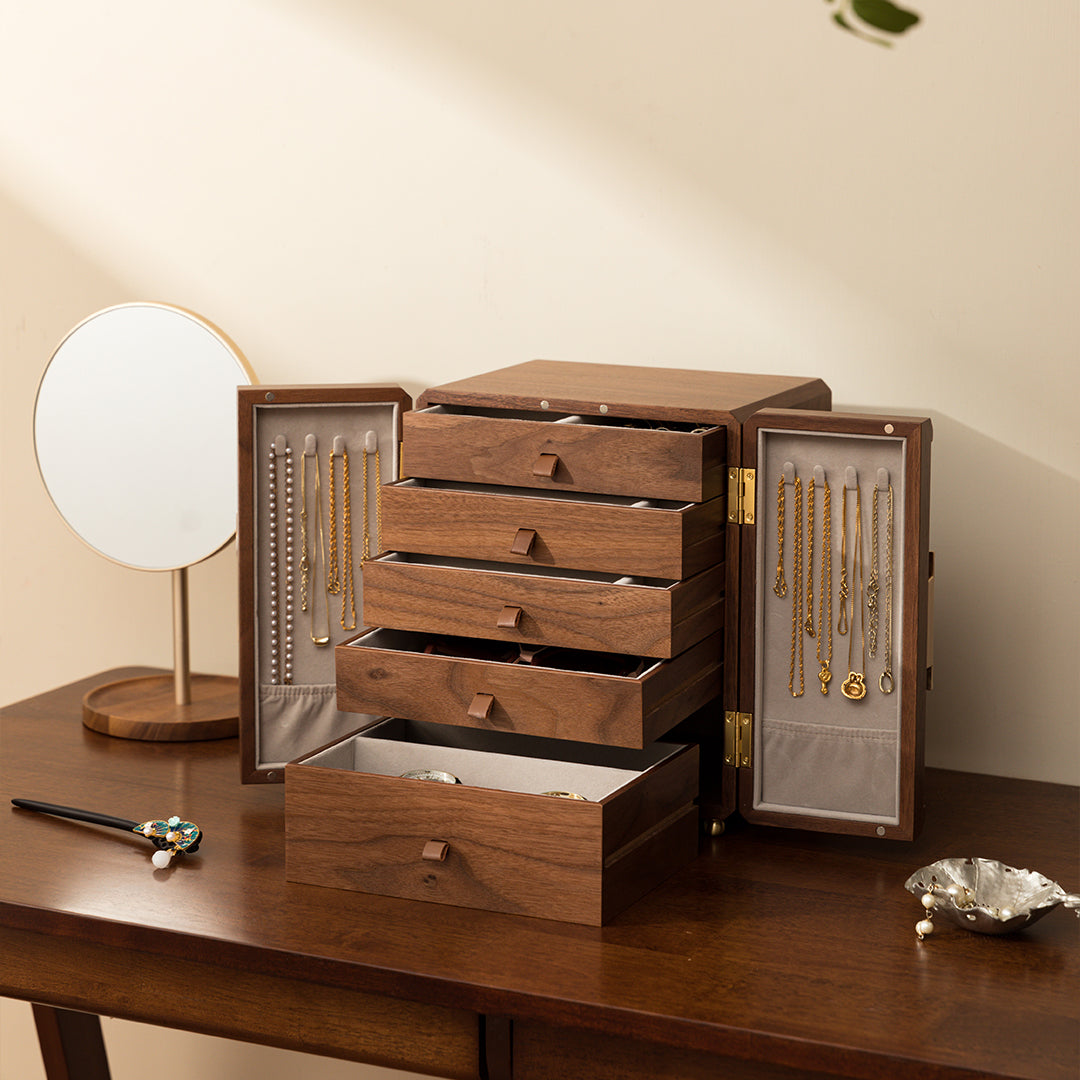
column 780, row 949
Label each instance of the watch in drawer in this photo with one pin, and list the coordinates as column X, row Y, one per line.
column 513, row 824
column 617, row 700
column 542, row 606
column 608, row 455
column 658, row 538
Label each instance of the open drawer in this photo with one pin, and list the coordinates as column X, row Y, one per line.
column 496, row 839
column 608, row 455
column 540, row 606
column 614, row 533
column 617, row 700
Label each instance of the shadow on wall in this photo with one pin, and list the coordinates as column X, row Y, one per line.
column 1004, row 529
column 55, row 589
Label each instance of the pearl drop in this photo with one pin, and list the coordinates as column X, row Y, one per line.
column 1007, row 913
column 161, row 859
column 924, row 928
column 929, row 901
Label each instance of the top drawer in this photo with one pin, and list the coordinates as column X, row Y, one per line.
column 571, row 453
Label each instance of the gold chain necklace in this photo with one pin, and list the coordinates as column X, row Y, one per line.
column 779, row 585
column 348, row 591
column 309, row 570
column 873, row 587
column 333, row 580
column 842, row 622
column 824, row 618
column 365, row 547
column 808, row 623
column 854, row 686
column 885, row 683
column 796, row 596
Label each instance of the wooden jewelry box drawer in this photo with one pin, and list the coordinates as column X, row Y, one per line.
column 614, row 533
column 493, row 839
column 569, row 608
column 614, row 456
column 617, row 700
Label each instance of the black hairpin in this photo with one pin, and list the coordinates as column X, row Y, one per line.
column 171, row 837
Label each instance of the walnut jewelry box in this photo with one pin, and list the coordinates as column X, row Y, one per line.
column 594, row 602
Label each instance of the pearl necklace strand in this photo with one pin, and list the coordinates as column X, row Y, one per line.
column 281, row 616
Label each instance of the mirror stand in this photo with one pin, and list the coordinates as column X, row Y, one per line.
column 180, row 707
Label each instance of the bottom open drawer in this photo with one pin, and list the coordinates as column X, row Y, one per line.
column 494, row 840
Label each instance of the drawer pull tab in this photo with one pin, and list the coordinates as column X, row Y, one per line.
column 480, row 707
column 435, row 850
column 546, row 464
column 523, row 542
column 508, row 618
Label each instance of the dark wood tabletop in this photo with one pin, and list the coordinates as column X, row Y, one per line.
column 776, row 953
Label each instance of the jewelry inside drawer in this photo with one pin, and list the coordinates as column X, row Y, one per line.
column 608, row 455
column 616, row 533
column 541, row 606
column 618, row 700
column 491, row 820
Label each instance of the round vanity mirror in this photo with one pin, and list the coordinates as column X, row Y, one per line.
column 135, row 436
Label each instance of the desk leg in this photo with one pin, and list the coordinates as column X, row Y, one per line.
column 497, row 1043
column 72, row 1046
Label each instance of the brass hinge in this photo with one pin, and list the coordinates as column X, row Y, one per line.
column 741, row 494
column 738, row 732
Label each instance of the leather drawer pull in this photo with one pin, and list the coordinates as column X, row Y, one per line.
column 480, row 707
column 435, row 850
column 523, row 542
column 508, row 618
column 546, row 464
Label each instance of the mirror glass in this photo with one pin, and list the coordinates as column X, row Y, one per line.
column 135, row 434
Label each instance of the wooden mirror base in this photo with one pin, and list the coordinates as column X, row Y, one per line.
column 145, row 708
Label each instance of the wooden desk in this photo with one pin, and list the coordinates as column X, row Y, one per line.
column 776, row 954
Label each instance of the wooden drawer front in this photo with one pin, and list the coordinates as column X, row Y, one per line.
column 595, row 456
column 670, row 540
column 473, row 845
column 598, row 612
column 387, row 672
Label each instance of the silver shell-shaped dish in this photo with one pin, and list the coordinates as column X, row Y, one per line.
column 987, row 896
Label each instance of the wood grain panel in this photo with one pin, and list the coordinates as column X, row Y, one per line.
column 578, row 535
column 632, row 391
column 524, row 854
column 215, row 1000
column 529, row 699
column 607, row 460
column 505, row 851
column 571, row 612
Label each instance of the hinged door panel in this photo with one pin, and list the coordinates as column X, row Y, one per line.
column 833, row 635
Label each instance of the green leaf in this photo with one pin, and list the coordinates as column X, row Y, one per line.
column 884, row 15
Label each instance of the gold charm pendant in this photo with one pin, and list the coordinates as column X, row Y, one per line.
column 853, row 687
column 825, row 677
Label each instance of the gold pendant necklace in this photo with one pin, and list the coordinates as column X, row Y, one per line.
column 824, row 619
column 842, row 596
column 854, row 686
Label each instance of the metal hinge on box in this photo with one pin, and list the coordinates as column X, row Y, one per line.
column 738, row 731
column 741, row 491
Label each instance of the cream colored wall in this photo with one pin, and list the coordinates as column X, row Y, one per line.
column 412, row 191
